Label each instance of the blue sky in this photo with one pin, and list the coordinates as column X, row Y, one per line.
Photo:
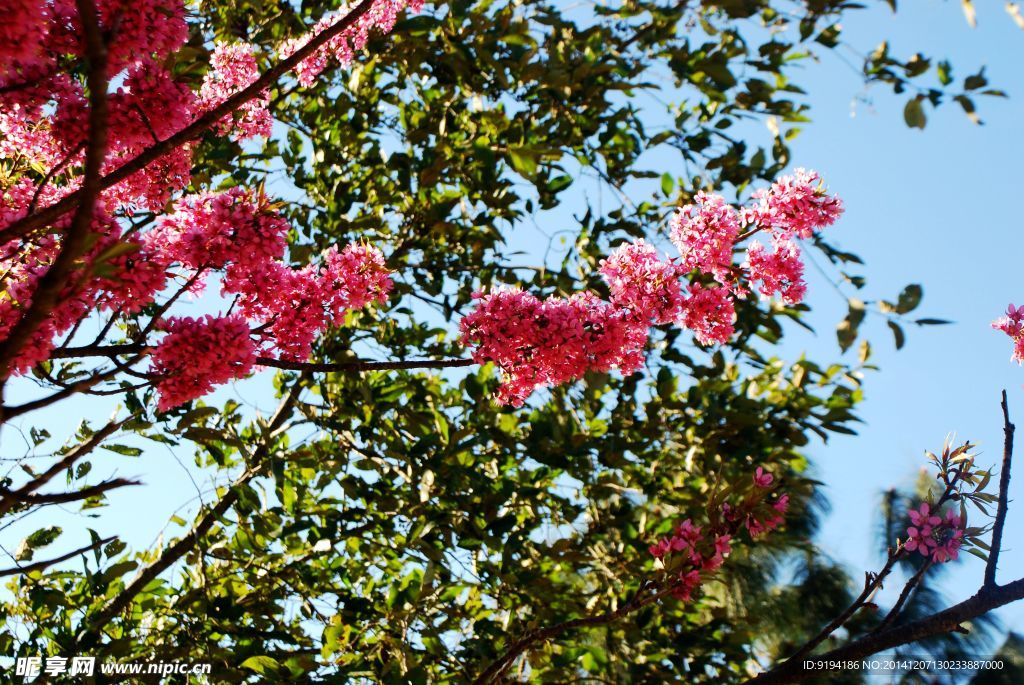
column 935, row 207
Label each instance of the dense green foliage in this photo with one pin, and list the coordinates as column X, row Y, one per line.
column 404, row 529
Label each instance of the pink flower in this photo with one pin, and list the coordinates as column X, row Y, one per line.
column 780, row 272
column 1013, row 325
column 640, row 281
column 931, row 535
column 233, row 68
column 705, row 233
column 198, row 354
column 709, row 313
column 546, row 343
column 794, row 205
column 762, row 478
column 380, row 18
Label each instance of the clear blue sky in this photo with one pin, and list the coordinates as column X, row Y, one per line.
column 936, row 207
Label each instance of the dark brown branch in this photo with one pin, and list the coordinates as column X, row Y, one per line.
column 1004, row 494
column 39, row 565
column 75, row 241
column 9, row 500
column 51, row 213
column 904, row 596
column 946, row 621
column 33, row 499
column 93, row 625
column 360, row 365
column 872, row 581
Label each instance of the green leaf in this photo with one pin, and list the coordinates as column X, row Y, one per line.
column 124, row 449
column 667, row 184
column 913, row 113
column 261, row 664
column 524, row 161
column 897, row 333
column 909, row 299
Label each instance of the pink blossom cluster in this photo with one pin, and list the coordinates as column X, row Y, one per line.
column 794, row 205
column 640, row 281
column 24, row 265
column 234, row 67
column 691, row 552
column 541, row 343
column 238, row 232
column 210, row 230
column 699, row 552
column 932, row 535
column 23, row 28
column 514, row 330
column 780, row 272
column 295, row 306
column 380, row 18
column 197, row 355
column 1013, row 325
column 704, row 233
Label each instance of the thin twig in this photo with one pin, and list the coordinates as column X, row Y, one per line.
column 35, row 499
column 1004, row 494
column 40, row 565
column 904, row 596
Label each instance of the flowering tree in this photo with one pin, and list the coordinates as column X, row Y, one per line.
column 617, row 468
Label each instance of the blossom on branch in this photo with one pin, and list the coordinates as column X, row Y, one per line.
column 197, row 355
column 796, row 205
column 1013, row 325
column 931, row 535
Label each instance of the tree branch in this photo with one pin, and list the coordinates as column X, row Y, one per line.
column 93, row 626
column 52, row 283
column 904, row 596
column 9, row 499
column 39, row 565
column 1004, row 494
column 33, row 499
column 361, row 365
column 872, row 581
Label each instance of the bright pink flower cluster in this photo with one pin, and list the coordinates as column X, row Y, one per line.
column 692, row 552
column 640, row 281
column 295, row 306
column 1013, row 325
column 197, row 355
column 233, row 67
column 781, row 272
column 794, row 205
column 710, row 313
column 931, row 535
column 544, row 343
column 705, row 233
column 646, row 290
column 381, row 17
column 211, row 230
column 23, row 29
column 700, row 553
column 141, row 29
column 23, row 266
